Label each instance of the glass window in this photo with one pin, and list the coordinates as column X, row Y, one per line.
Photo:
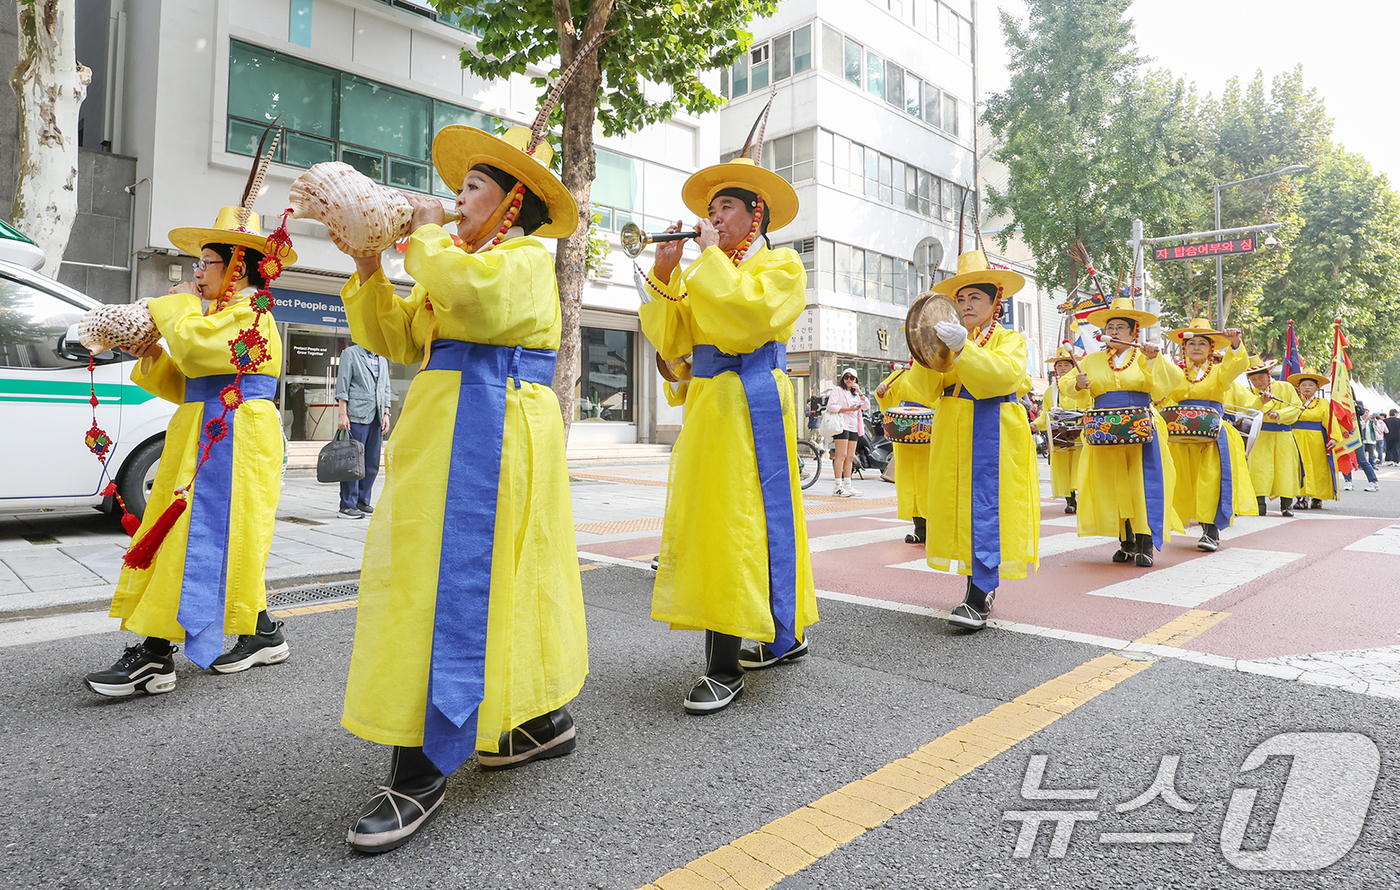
column 369, row 163
column 933, row 105
column 31, row 325
column 782, row 57
column 408, row 174
column 950, row 114
column 802, row 49
column 952, row 201
column 264, row 84
column 874, row 74
column 778, row 157
column 857, row 168
column 911, row 189
column 605, row 217
column 445, row 115
column 964, row 38
column 243, row 137
column 913, row 95
column 617, row 183
column 826, row 265
column 872, row 275
column 807, row 250
column 304, row 151
column 605, row 391
column 378, row 116
column 887, row 279
column 840, row 161
column 886, row 179
column 858, row 268
column 739, row 75
column 947, row 30
column 854, row 56
column 928, row 200
column 844, row 284
column 804, row 166
column 758, row 67
column 833, row 57
column 894, row 85
column 724, row 83
column 898, row 180
column 872, row 173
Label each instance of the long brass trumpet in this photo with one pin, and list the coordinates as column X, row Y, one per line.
column 634, row 240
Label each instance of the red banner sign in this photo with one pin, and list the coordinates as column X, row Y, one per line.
column 1202, row 251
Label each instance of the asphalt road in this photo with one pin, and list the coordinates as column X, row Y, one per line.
column 248, row 781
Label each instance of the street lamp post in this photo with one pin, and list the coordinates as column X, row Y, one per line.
column 1219, row 261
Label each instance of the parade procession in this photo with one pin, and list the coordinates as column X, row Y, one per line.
column 449, row 500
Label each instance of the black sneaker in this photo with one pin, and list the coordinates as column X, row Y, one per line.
column 253, row 649
column 350, row 513
column 710, row 695
column 965, row 616
column 138, row 668
column 760, row 656
column 1207, row 544
column 550, row 735
column 364, row 508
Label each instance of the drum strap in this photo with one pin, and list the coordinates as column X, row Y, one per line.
column 771, row 443
column 1315, row 426
column 1153, row 484
column 1225, row 509
column 986, row 486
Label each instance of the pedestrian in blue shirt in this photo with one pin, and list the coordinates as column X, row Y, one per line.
column 362, row 389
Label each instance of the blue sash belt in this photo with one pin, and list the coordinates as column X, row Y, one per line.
column 1225, row 510
column 986, row 486
column 457, row 674
column 202, row 593
column 1277, row 427
column 770, row 443
column 1316, row 426
column 1153, row 486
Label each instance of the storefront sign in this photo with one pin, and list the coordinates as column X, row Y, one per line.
column 301, row 307
column 804, row 332
column 1209, row 249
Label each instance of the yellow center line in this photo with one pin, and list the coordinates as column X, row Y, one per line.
column 313, row 609
column 787, row 845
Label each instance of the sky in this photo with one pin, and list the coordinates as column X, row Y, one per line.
column 1346, row 47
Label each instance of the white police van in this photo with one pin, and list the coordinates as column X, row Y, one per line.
column 45, row 409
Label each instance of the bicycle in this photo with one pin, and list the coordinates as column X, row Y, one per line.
column 809, row 463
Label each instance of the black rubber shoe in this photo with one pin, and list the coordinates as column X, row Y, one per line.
column 138, row 668
column 1263, row 506
column 709, row 695
column 546, row 736
column 1285, row 506
column 252, row 650
column 1144, row 551
column 407, row 803
column 760, row 656
column 1072, row 504
column 1124, row 553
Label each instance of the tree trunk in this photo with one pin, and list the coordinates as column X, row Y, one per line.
column 49, row 84
column 577, row 170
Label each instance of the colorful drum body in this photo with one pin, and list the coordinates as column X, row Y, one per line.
column 909, row 426
column 1192, row 423
column 1118, row 426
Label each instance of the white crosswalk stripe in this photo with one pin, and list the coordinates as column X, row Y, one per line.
column 1387, row 540
column 1191, row 583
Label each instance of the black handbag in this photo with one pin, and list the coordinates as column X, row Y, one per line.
column 342, row 460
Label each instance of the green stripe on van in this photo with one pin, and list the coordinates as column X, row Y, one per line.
column 24, row 390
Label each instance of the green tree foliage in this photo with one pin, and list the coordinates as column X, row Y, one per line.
column 646, row 72
column 1346, row 264
column 1089, row 142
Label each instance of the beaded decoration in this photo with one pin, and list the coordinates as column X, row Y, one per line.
column 1130, row 352
column 986, row 338
column 736, row 256
column 101, row 444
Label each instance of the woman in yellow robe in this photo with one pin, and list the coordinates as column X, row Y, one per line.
column 206, row 578
column 984, row 490
column 1212, row 476
column 734, row 557
column 910, row 459
column 1127, row 491
column 470, row 633
column 1274, row 464
column 1314, row 447
column 1064, row 461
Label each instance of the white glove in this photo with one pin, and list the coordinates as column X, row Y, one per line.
column 952, row 333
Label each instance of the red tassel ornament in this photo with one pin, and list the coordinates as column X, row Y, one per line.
column 142, row 552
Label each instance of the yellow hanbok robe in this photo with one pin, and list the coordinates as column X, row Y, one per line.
column 1197, row 464
column 995, row 371
column 1113, row 484
column 1274, row 464
column 536, row 645
column 910, row 461
column 713, row 571
column 1064, row 462
column 197, row 345
column 1319, row 470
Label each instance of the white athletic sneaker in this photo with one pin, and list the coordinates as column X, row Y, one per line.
column 839, row 491
column 1372, row 487
column 851, row 491
column 1346, row 486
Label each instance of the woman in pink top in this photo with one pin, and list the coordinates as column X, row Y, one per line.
column 849, row 403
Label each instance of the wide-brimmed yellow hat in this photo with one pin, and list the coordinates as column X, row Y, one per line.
column 1064, row 354
column 973, row 269
column 1200, row 327
column 1309, row 374
column 229, row 228
column 457, row 149
column 1121, row 307
column 1257, row 365
column 742, row 173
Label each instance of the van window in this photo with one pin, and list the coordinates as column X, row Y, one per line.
column 31, row 325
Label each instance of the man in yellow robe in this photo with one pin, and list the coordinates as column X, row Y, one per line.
column 984, row 490
column 1274, row 464
column 1126, row 489
column 1212, row 475
column 206, row 578
column 734, row 558
column 1314, row 446
column 470, row 634
column 1064, row 460
column 910, row 459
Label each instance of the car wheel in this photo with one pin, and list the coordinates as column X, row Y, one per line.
column 139, row 474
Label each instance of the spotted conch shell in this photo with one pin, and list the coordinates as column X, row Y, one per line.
column 364, row 217
column 120, row 324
